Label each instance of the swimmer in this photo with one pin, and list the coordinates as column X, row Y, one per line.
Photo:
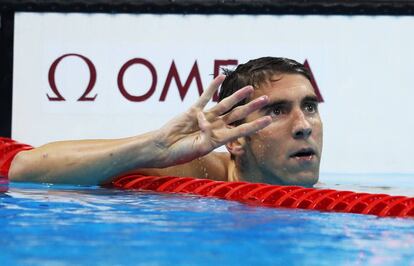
column 267, row 118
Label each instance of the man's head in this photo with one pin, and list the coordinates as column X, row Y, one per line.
column 287, row 151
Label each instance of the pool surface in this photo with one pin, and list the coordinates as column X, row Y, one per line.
column 71, row 225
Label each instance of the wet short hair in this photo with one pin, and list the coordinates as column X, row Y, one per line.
column 257, row 71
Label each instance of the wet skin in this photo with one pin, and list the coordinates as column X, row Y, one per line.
column 288, row 151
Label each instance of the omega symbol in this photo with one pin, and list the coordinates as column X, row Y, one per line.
column 92, row 79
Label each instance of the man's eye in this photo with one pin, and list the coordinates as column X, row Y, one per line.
column 277, row 110
column 311, row 107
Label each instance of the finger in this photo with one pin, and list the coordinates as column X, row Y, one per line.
column 203, row 124
column 205, row 127
column 242, row 111
column 208, row 94
column 227, row 103
column 247, row 128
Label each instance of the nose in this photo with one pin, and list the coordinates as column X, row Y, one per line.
column 301, row 128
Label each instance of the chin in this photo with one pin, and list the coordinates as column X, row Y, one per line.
column 305, row 180
column 300, row 179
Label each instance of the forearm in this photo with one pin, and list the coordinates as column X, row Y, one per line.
column 88, row 162
column 188, row 136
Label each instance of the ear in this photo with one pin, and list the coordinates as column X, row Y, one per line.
column 236, row 147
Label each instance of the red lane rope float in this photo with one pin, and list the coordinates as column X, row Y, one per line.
column 275, row 196
column 251, row 193
column 8, row 150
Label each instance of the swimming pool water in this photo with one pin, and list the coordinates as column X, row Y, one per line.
column 71, row 225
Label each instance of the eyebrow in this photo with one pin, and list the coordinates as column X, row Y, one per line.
column 274, row 103
column 309, row 98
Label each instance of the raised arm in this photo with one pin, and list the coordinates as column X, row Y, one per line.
column 188, row 136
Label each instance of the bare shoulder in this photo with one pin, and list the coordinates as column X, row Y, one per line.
column 213, row 166
column 217, row 165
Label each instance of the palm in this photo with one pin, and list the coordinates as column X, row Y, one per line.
column 197, row 132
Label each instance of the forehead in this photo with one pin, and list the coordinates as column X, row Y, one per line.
column 289, row 87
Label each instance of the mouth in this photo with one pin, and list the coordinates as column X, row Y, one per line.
column 305, row 154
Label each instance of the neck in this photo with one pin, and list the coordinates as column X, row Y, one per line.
column 240, row 171
column 232, row 174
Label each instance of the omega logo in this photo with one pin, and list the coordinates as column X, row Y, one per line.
column 173, row 74
column 52, row 81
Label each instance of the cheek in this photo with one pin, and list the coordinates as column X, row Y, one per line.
column 275, row 132
column 265, row 135
column 268, row 142
column 318, row 132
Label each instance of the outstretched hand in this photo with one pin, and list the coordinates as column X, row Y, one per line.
column 197, row 132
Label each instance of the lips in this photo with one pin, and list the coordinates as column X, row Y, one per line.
column 303, row 153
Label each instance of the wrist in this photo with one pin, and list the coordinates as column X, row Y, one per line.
column 155, row 150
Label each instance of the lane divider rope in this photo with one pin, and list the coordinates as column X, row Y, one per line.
column 258, row 194
column 274, row 196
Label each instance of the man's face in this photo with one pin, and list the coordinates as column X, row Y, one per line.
column 288, row 151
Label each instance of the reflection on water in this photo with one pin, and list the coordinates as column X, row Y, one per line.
column 66, row 225
column 392, row 184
